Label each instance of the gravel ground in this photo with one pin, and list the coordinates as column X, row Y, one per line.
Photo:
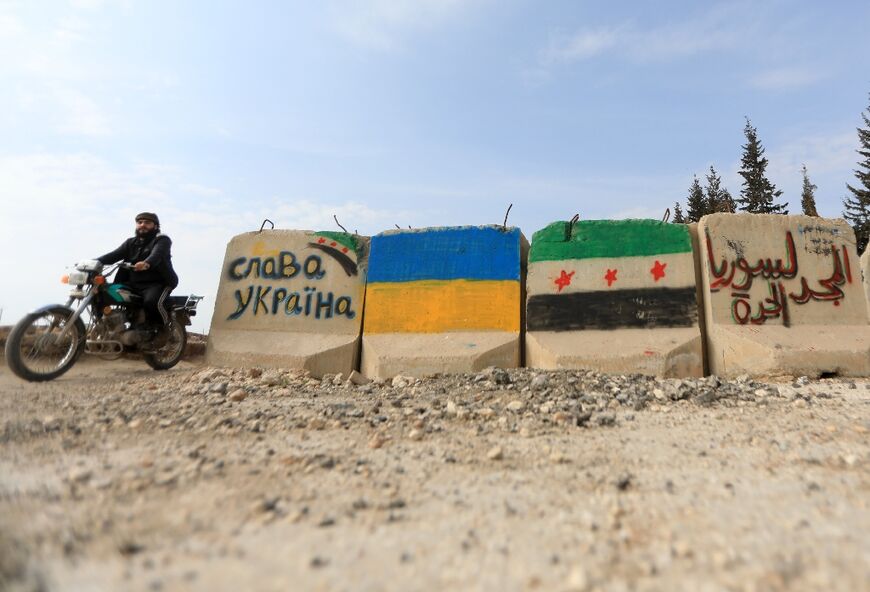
column 115, row 477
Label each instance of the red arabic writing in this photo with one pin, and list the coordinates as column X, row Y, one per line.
column 774, row 271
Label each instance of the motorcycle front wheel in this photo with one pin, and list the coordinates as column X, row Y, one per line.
column 35, row 350
column 170, row 354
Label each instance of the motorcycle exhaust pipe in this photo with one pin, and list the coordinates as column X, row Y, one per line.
column 97, row 347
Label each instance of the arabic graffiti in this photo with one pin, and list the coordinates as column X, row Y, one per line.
column 818, row 238
column 775, row 272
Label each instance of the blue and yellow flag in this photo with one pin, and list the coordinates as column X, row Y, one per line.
column 444, row 279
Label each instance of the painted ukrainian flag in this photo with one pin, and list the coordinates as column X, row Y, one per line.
column 444, row 279
column 611, row 274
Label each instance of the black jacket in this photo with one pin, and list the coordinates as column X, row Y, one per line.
column 154, row 250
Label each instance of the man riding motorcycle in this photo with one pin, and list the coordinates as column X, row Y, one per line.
column 152, row 276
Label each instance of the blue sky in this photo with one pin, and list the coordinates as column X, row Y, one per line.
column 416, row 112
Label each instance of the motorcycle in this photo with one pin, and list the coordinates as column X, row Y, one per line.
column 48, row 342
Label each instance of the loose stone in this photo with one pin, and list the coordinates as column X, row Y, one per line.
column 495, row 453
column 238, row 395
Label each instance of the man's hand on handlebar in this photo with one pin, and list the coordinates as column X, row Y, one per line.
column 141, row 266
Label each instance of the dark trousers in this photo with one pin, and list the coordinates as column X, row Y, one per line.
column 153, row 302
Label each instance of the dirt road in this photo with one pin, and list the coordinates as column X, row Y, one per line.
column 115, row 477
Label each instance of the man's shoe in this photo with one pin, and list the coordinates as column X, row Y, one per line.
column 153, row 337
column 161, row 337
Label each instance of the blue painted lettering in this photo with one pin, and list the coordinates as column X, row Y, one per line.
column 242, row 303
column 324, row 303
column 282, row 267
column 312, row 267
column 262, row 291
column 264, row 300
column 291, row 306
column 342, row 307
column 277, row 297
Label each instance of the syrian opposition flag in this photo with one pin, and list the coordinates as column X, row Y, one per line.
column 341, row 246
column 611, row 274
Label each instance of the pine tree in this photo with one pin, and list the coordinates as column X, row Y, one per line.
column 758, row 193
column 726, row 202
column 808, row 195
column 678, row 214
column 718, row 198
column 857, row 205
column 696, row 203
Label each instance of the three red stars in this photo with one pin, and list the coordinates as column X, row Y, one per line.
column 564, row 280
column 658, row 270
column 322, row 240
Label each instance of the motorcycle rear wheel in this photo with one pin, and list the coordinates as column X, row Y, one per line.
column 33, row 349
column 170, row 354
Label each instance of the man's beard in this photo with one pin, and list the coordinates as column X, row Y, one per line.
column 142, row 233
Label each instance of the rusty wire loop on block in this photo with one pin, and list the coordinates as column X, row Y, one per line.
column 264, row 224
column 334, row 217
column 504, row 225
column 667, row 215
column 571, row 225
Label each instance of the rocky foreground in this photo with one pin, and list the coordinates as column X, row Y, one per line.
column 119, row 478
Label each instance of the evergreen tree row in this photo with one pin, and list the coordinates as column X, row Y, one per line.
column 714, row 197
column 759, row 196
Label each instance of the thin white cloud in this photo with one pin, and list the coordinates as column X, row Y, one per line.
column 83, row 182
column 71, row 29
column 822, row 153
column 718, row 29
column 787, row 78
column 67, row 110
column 713, row 32
column 10, row 26
column 80, row 114
column 88, row 4
column 201, row 190
column 386, row 24
column 583, row 45
column 49, row 79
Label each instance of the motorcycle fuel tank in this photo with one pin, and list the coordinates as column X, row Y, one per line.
column 121, row 293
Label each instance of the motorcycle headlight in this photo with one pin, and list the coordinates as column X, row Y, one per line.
column 78, row 278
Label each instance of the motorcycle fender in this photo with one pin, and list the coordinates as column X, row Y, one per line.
column 76, row 313
column 48, row 307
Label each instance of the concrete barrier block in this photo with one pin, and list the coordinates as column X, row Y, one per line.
column 783, row 295
column 290, row 299
column 443, row 300
column 614, row 296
